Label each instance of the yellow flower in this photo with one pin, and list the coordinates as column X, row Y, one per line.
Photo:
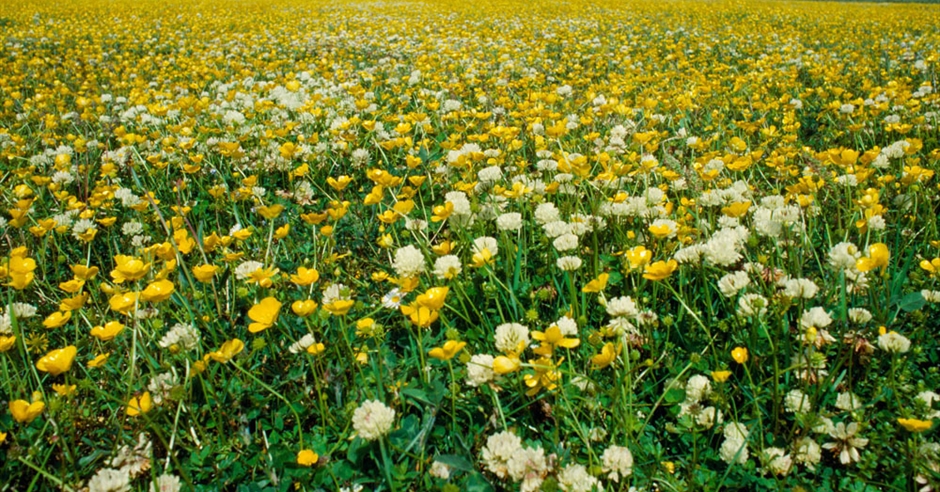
column 306, row 457
column 739, row 354
column 442, row 212
column 25, row 412
column 506, row 364
column 228, row 350
column 339, row 307
column 74, row 302
column 72, row 286
column 448, row 351
column 57, row 319
column 158, row 291
column 433, row 298
column 63, row 389
column 108, row 331
column 140, row 405
column 661, row 230
column 420, row 315
column 736, row 209
column 304, row 308
column 596, row 285
column 482, row 257
column 606, row 357
column 271, row 212
column 20, row 269
column 305, row 276
column 57, row 361
column 128, row 268
column 932, row 266
column 721, row 376
column 6, row 343
column 264, row 314
column 444, row 248
column 262, row 277
column 878, row 256
column 914, row 425
column 205, row 273
column 545, row 376
column 638, row 257
column 316, row 348
column 82, row 272
column 660, row 270
column 99, row 360
column 385, row 241
column 282, row 232
column 123, row 303
column 551, row 338
column 339, row 184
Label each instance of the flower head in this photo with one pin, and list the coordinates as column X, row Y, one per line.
column 57, row 361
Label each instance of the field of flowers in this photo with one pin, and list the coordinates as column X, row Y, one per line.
column 494, row 245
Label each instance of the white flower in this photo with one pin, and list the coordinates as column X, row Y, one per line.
column 166, row 483
column 447, row 267
column 546, row 213
column 808, row 452
column 777, row 461
column 568, row 326
column 556, row 228
column 931, row 295
column 373, row 419
column 490, row 174
column 752, row 305
column 575, row 478
column 23, row 310
column 622, row 306
column 732, row 283
column 617, row 462
column 800, row 287
column 565, row 242
column 302, row 344
column 511, row 337
column 480, row 370
column 697, row 388
column 511, row 221
column 894, row 342
column 848, row 401
column 846, row 444
column 440, row 470
column 859, row 315
column 816, row 317
column 569, row 263
column 708, row 417
column 110, row 480
column 529, row 466
column 487, row 243
column 843, row 256
column 392, row 299
column 183, row 335
column 245, row 269
column 734, row 451
column 499, row 449
column 736, row 431
column 797, row 402
column 409, row 262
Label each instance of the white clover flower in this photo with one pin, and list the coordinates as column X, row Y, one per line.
column 245, row 269
column 485, row 242
column 617, row 462
column 511, row 337
column 575, row 478
column 546, row 213
column 752, row 305
column 732, row 283
column 843, row 256
column 23, row 310
column 736, row 431
column 447, row 267
column 816, row 317
column 776, row 461
column 708, row 417
column 373, row 419
column 697, row 388
column 565, row 242
column 166, row 483
column 796, row 401
column 408, row 262
column 932, row 296
column 182, row 335
column 439, row 470
column 807, row 452
column 848, row 401
column 569, row 263
column 567, row 326
column 480, row 370
column 894, row 342
column 622, row 307
column 859, row 316
column 529, row 466
column 846, row 443
column 511, row 221
column 301, row 345
column 734, row 451
column 556, row 228
column 110, row 480
column 499, row 449
column 800, row 288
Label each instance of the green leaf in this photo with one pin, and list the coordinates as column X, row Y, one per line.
column 455, row 462
column 675, row 395
column 911, row 302
column 476, row 482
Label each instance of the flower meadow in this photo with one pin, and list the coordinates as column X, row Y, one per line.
column 470, row 246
